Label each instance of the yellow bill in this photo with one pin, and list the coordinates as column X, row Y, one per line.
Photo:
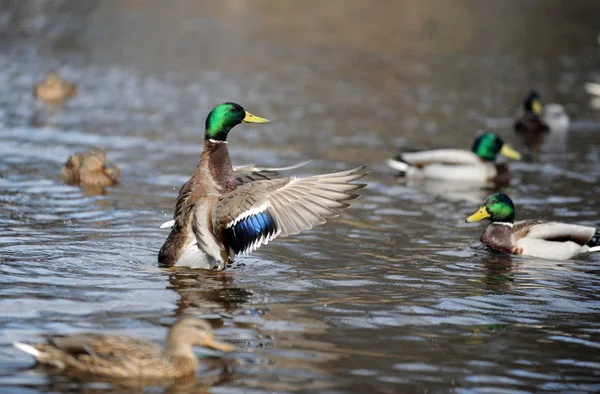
column 510, row 152
column 214, row 344
column 536, row 107
column 249, row 118
column 481, row 214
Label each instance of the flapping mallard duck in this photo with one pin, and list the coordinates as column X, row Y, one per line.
column 539, row 119
column 53, row 89
column 126, row 357
column 477, row 165
column 90, row 169
column 536, row 238
column 216, row 218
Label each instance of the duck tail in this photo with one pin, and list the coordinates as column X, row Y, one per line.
column 398, row 164
column 28, row 349
column 594, row 243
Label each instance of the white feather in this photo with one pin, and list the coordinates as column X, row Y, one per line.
column 594, row 249
column 593, row 88
column 168, row 224
column 28, row 349
column 250, row 212
column 397, row 165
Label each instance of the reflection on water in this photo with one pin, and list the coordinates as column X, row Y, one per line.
column 397, row 294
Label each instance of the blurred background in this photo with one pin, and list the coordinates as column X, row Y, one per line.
column 396, row 294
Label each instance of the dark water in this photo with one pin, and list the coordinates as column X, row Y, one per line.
column 395, row 295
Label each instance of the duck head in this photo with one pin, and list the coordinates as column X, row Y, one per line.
column 497, row 208
column 533, row 103
column 189, row 332
column 488, row 145
column 224, row 117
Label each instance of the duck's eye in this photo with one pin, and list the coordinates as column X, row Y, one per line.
column 235, row 109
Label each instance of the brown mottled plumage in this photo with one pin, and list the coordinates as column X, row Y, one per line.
column 215, row 219
column 126, row 357
column 90, row 169
column 53, row 89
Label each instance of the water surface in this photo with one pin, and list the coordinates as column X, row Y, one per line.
column 396, row 294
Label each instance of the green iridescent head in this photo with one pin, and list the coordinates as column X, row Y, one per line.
column 498, row 208
column 224, row 117
column 488, row 145
column 533, row 103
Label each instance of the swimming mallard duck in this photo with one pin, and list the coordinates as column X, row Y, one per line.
column 540, row 119
column 215, row 219
column 126, row 357
column 536, row 238
column 90, row 169
column 53, row 89
column 478, row 165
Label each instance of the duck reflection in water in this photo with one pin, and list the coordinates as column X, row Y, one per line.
column 206, row 292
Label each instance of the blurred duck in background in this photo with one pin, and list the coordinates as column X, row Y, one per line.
column 593, row 88
column 539, row 120
column 53, row 89
column 90, row 169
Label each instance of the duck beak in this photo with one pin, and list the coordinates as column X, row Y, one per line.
column 211, row 342
column 536, row 107
column 510, row 152
column 481, row 214
column 249, row 118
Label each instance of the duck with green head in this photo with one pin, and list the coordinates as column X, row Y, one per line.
column 539, row 119
column 536, row 238
column 218, row 216
column 477, row 165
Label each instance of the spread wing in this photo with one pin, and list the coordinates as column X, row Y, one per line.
column 243, row 174
column 257, row 212
column 250, row 173
column 439, row 156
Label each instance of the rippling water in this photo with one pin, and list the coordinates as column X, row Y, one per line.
column 396, row 294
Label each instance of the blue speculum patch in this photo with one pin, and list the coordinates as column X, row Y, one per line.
column 249, row 229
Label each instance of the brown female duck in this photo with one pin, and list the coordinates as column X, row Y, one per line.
column 53, row 89
column 90, row 169
column 126, row 357
column 215, row 219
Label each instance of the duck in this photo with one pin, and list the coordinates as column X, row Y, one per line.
column 593, row 88
column 90, row 169
column 216, row 218
column 127, row 357
column 534, row 238
column 539, row 119
column 53, row 89
column 476, row 166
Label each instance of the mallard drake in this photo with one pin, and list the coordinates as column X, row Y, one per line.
column 90, row 169
column 216, row 218
column 536, row 238
column 539, row 119
column 53, row 89
column 126, row 357
column 478, row 165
